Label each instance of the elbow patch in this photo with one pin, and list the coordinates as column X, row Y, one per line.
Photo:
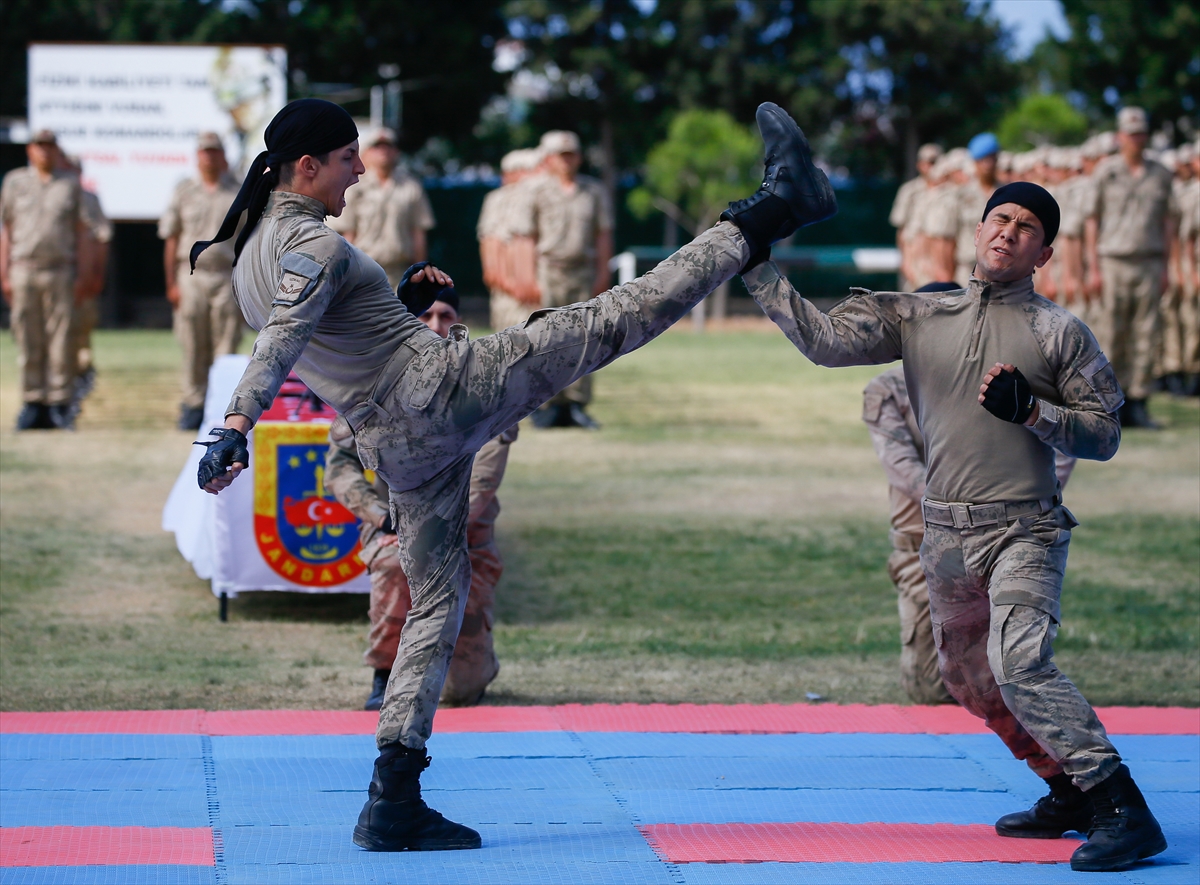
column 299, row 277
column 1099, row 375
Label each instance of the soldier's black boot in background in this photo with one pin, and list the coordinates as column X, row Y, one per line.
column 794, row 193
column 62, row 416
column 1135, row 414
column 1065, row 807
column 34, row 416
column 1123, row 830
column 190, row 418
column 396, row 818
column 378, row 689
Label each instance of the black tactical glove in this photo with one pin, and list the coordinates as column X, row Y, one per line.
column 1009, row 397
column 386, row 527
column 419, row 297
column 229, row 447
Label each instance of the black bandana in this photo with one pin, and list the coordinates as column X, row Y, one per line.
column 1033, row 197
column 307, row 126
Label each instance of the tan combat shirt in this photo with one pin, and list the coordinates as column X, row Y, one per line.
column 1131, row 210
column 902, row 206
column 564, row 223
column 898, row 444
column 382, row 216
column 42, row 218
column 98, row 225
column 1072, row 196
column 948, row 341
column 1189, row 210
column 195, row 213
column 495, row 216
column 972, row 200
column 320, row 305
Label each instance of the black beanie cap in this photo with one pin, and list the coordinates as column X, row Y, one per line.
column 1033, row 197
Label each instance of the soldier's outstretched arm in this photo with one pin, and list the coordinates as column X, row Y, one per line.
column 862, row 330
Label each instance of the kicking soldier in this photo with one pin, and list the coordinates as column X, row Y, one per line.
column 420, row 405
column 996, row 533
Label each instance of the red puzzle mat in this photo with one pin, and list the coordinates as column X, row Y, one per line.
column 89, row 846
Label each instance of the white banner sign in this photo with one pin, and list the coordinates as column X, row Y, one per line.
column 131, row 112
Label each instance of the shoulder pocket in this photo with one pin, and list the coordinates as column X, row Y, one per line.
column 1099, row 375
column 299, row 277
column 872, row 404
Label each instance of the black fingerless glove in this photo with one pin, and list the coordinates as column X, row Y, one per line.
column 1009, row 397
column 419, row 297
column 228, row 448
column 386, row 527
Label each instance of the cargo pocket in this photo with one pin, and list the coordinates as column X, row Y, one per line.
column 1020, row 642
column 420, row 380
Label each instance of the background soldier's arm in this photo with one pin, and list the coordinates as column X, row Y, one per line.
column 346, row 478
column 862, row 330
column 488, row 472
column 5, row 251
column 894, row 445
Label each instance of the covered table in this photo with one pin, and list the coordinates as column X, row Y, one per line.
column 276, row 527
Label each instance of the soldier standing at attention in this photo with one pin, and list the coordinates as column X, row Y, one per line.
column 513, row 295
column 388, row 214
column 420, row 406
column 87, row 311
column 474, row 664
column 208, row 323
column 1189, row 246
column 902, row 214
column 1000, row 379
column 44, row 262
column 1169, row 367
column 1129, row 232
column 570, row 221
column 972, row 197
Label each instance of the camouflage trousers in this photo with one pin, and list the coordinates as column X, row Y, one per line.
column 87, row 314
column 42, row 306
column 451, row 398
column 1180, row 349
column 208, row 324
column 1128, row 322
column 919, row 672
column 474, row 664
column 994, row 600
column 562, row 285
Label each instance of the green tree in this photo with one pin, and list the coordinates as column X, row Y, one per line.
column 1042, row 118
column 1145, row 53
column 707, row 160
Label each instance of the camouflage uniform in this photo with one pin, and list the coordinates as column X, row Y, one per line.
column 87, row 312
column 1132, row 246
column 421, row 406
column 43, row 220
column 996, row 533
column 565, row 225
column 1189, row 308
column 1073, row 193
column 934, row 217
column 901, row 450
column 474, row 664
column 382, row 215
column 1170, row 356
column 971, row 201
column 494, row 223
column 207, row 321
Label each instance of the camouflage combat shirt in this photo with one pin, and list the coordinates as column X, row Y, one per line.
column 320, row 305
column 948, row 342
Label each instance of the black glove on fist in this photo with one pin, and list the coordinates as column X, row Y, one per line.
column 229, row 447
column 419, row 297
column 1009, row 397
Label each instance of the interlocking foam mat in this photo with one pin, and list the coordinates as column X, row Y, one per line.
column 605, row 793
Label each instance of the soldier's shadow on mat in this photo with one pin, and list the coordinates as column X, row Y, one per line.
column 328, row 608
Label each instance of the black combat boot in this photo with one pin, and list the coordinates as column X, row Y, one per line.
column 378, row 689
column 1123, row 830
column 34, row 416
column 1065, row 808
column 62, row 416
column 190, row 418
column 794, row 193
column 396, row 818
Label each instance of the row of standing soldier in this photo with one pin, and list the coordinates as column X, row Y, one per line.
column 1127, row 263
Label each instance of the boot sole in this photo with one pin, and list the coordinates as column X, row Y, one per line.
column 1158, row 846
column 365, row 839
column 828, row 198
column 1034, row 834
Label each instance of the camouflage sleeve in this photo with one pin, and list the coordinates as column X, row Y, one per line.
column 898, row 217
column 423, row 211
column 97, row 223
column 862, row 330
column 170, row 224
column 308, row 283
column 6, row 200
column 346, row 479
column 1083, row 424
column 488, row 472
column 893, row 442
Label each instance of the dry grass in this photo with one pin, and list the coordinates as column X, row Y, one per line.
column 722, row 539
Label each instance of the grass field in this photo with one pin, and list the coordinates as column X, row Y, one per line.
column 722, row 539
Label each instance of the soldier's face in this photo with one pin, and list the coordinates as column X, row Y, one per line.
column 43, row 157
column 211, row 161
column 1009, row 244
column 330, row 180
column 440, row 318
column 564, row 164
column 381, row 156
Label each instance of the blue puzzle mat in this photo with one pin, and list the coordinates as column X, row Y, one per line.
column 553, row 806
